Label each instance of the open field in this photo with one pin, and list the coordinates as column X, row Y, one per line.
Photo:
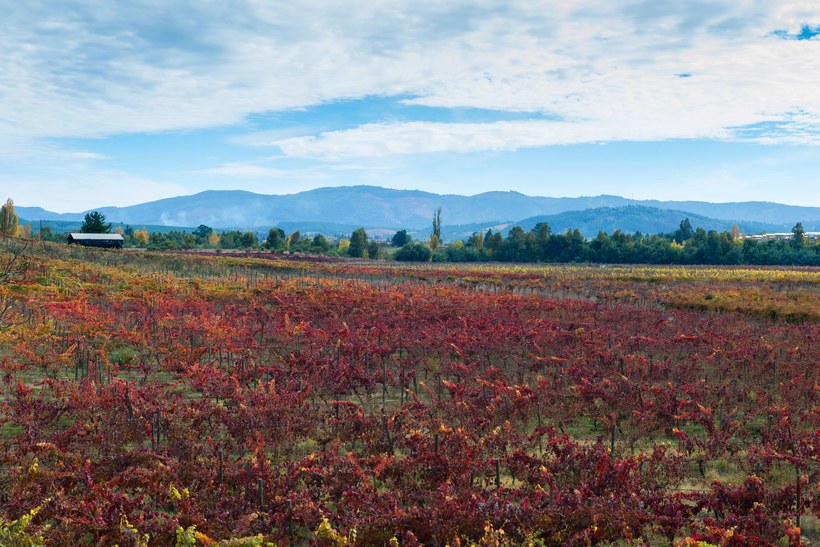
column 344, row 402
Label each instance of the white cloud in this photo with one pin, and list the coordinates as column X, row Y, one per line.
column 374, row 140
column 606, row 69
column 84, row 155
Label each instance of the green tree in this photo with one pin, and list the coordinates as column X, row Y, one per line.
column 493, row 242
column 248, row 240
column 45, row 233
column 541, row 239
column 358, row 243
column 401, row 238
column 295, row 239
column 276, row 239
column 515, row 246
column 8, row 219
column 435, row 236
column 229, row 239
column 798, row 240
column 319, row 244
column 477, row 241
column 203, row 232
column 569, row 247
column 414, row 252
column 684, row 232
column 374, row 250
column 94, row 223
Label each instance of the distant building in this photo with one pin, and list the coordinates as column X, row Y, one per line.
column 811, row 237
column 96, row 240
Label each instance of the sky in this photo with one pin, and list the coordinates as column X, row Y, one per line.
column 117, row 103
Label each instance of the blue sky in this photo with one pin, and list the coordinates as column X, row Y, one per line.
column 111, row 104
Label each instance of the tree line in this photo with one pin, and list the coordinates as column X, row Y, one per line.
column 685, row 245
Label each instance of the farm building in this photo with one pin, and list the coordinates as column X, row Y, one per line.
column 812, row 237
column 96, row 240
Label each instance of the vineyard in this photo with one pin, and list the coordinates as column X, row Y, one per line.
column 207, row 398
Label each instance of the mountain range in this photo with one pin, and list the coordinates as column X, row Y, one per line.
column 340, row 209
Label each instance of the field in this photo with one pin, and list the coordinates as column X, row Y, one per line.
column 205, row 398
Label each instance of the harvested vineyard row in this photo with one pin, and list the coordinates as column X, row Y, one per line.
column 246, row 396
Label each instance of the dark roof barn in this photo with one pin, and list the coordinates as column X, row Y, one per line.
column 96, row 240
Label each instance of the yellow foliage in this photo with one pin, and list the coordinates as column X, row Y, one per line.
column 130, row 531
column 14, row 532
column 8, row 219
column 188, row 537
column 325, row 534
column 141, row 236
column 177, row 494
column 492, row 537
column 689, row 542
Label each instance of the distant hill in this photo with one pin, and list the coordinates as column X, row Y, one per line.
column 370, row 206
column 637, row 218
column 61, row 226
column 382, row 208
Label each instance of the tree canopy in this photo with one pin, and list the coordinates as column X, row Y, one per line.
column 435, row 235
column 276, row 240
column 401, row 238
column 8, row 219
column 94, row 223
column 203, row 231
column 358, row 243
column 413, row 252
column 797, row 236
column 696, row 246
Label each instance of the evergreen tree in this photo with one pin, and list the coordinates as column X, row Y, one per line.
column 374, row 250
column 94, row 223
column 477, row 241
column 319, row 244
column 202, row 232
column 295, row 239
column 248, row 240
column 797, row 240
column 435, row 236
column 276, row 239
column 684, row 232
column 358, row 243
column 400, row 239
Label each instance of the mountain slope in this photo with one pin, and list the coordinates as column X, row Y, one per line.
column 636, row 218
column 376, row 207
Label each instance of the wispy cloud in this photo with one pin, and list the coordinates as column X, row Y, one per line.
column 84, row 155
column 246, row 170
column 374, row 140
column 95, row 69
